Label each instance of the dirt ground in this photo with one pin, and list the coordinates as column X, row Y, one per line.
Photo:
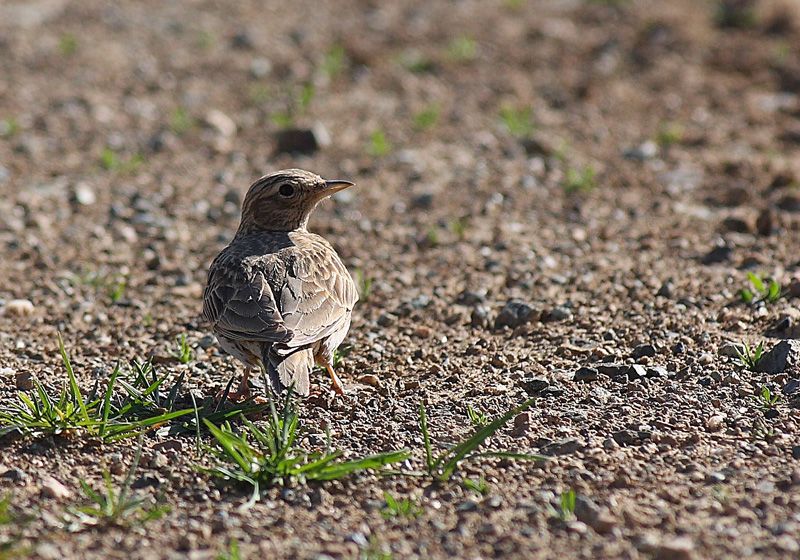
column 618, row 167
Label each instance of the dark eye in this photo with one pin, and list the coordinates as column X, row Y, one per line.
column 286, row 190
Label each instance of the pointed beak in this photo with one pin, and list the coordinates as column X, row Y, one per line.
column 336, row 185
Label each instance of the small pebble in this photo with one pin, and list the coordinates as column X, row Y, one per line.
column 19, row 308
column 643, row 350
column 370, row 379
column 680, row 548
column 52, row 488
column 715, row 423
column 586, row 374
column 23, row 380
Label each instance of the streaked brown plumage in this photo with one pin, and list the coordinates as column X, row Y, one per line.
column 278, row 296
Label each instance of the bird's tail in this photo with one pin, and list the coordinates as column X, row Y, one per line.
column 294, row 369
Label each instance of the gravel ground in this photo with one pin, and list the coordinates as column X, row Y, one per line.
column 559, row 199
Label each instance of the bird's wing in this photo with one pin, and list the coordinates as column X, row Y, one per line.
column 318, row 294
column 243, row 308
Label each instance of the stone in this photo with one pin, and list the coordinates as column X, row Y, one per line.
column 787, row 543
column 370, row 379
column 643, row 350
column 781, row 356
column 613, row 370
column 586, row 374
column 23, row 380
column 594, row 516
column 736, row 225
column 794, row 288
column 515, row 313
column 678, row 548
column 468, row 297
column 479, row 318
column 522, row 423
column 52, row 488
column 765, row 223
column 789, row 203
column 626, row 437
column 260, row 67
column 636, row 372
column 301, row 140
column 386, row 319
column 221, row 123
column 654, row 372
column 791, row 387
column 18, row 475
column 19, row 308
column 665, row 290
column 242, row 40
column 83, row 194
column 730, row 349
column 562, row 447
column 644, row 151
column 715, row 423
column 719, row 254
column 534, row 385
column 557, row 314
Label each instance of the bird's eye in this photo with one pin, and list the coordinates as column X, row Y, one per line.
column 286, row 190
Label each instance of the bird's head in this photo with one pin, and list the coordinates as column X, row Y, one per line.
column 284, row 200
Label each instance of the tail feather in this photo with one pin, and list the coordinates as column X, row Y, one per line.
column 293, row 369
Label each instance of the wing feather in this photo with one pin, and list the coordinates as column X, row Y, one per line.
column 243, row 308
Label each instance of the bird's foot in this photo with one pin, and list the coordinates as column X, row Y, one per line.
column 242, row 393
column 336, row 383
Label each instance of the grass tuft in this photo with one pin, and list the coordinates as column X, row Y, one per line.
column 750, row 357
column 261, row 458
column 518, row 121
column 426, row 118
column 404, row 507
column 761, row 290
column 117, row 507
column 767, row 399
column 184, row 353
column 462, row 49
column 103, row 415
column 476, row 417
column 442, row 467
column 579, row 180
column 378, row 145
column 566, row 506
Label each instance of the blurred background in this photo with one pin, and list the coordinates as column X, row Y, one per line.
column 490, row 132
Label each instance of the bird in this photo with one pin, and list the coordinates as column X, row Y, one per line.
column 278, row 297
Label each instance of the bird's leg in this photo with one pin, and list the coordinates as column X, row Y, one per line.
column 337, row 384
column 242, row 392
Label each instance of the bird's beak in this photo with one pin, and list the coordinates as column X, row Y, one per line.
column 335, row 185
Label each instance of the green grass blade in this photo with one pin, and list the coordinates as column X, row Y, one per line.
column 73, row 383
column 774, row 293
column 126, row 485
column 90, row 493
column 374, row 462
column 107, row 399
column 128, row 429
column 426, row 438
column 230, row 444
column 757, row 283
column 467, row 446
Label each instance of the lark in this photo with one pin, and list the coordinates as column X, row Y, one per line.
column 278, row 297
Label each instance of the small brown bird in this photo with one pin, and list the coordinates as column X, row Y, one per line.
column 278, row 296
